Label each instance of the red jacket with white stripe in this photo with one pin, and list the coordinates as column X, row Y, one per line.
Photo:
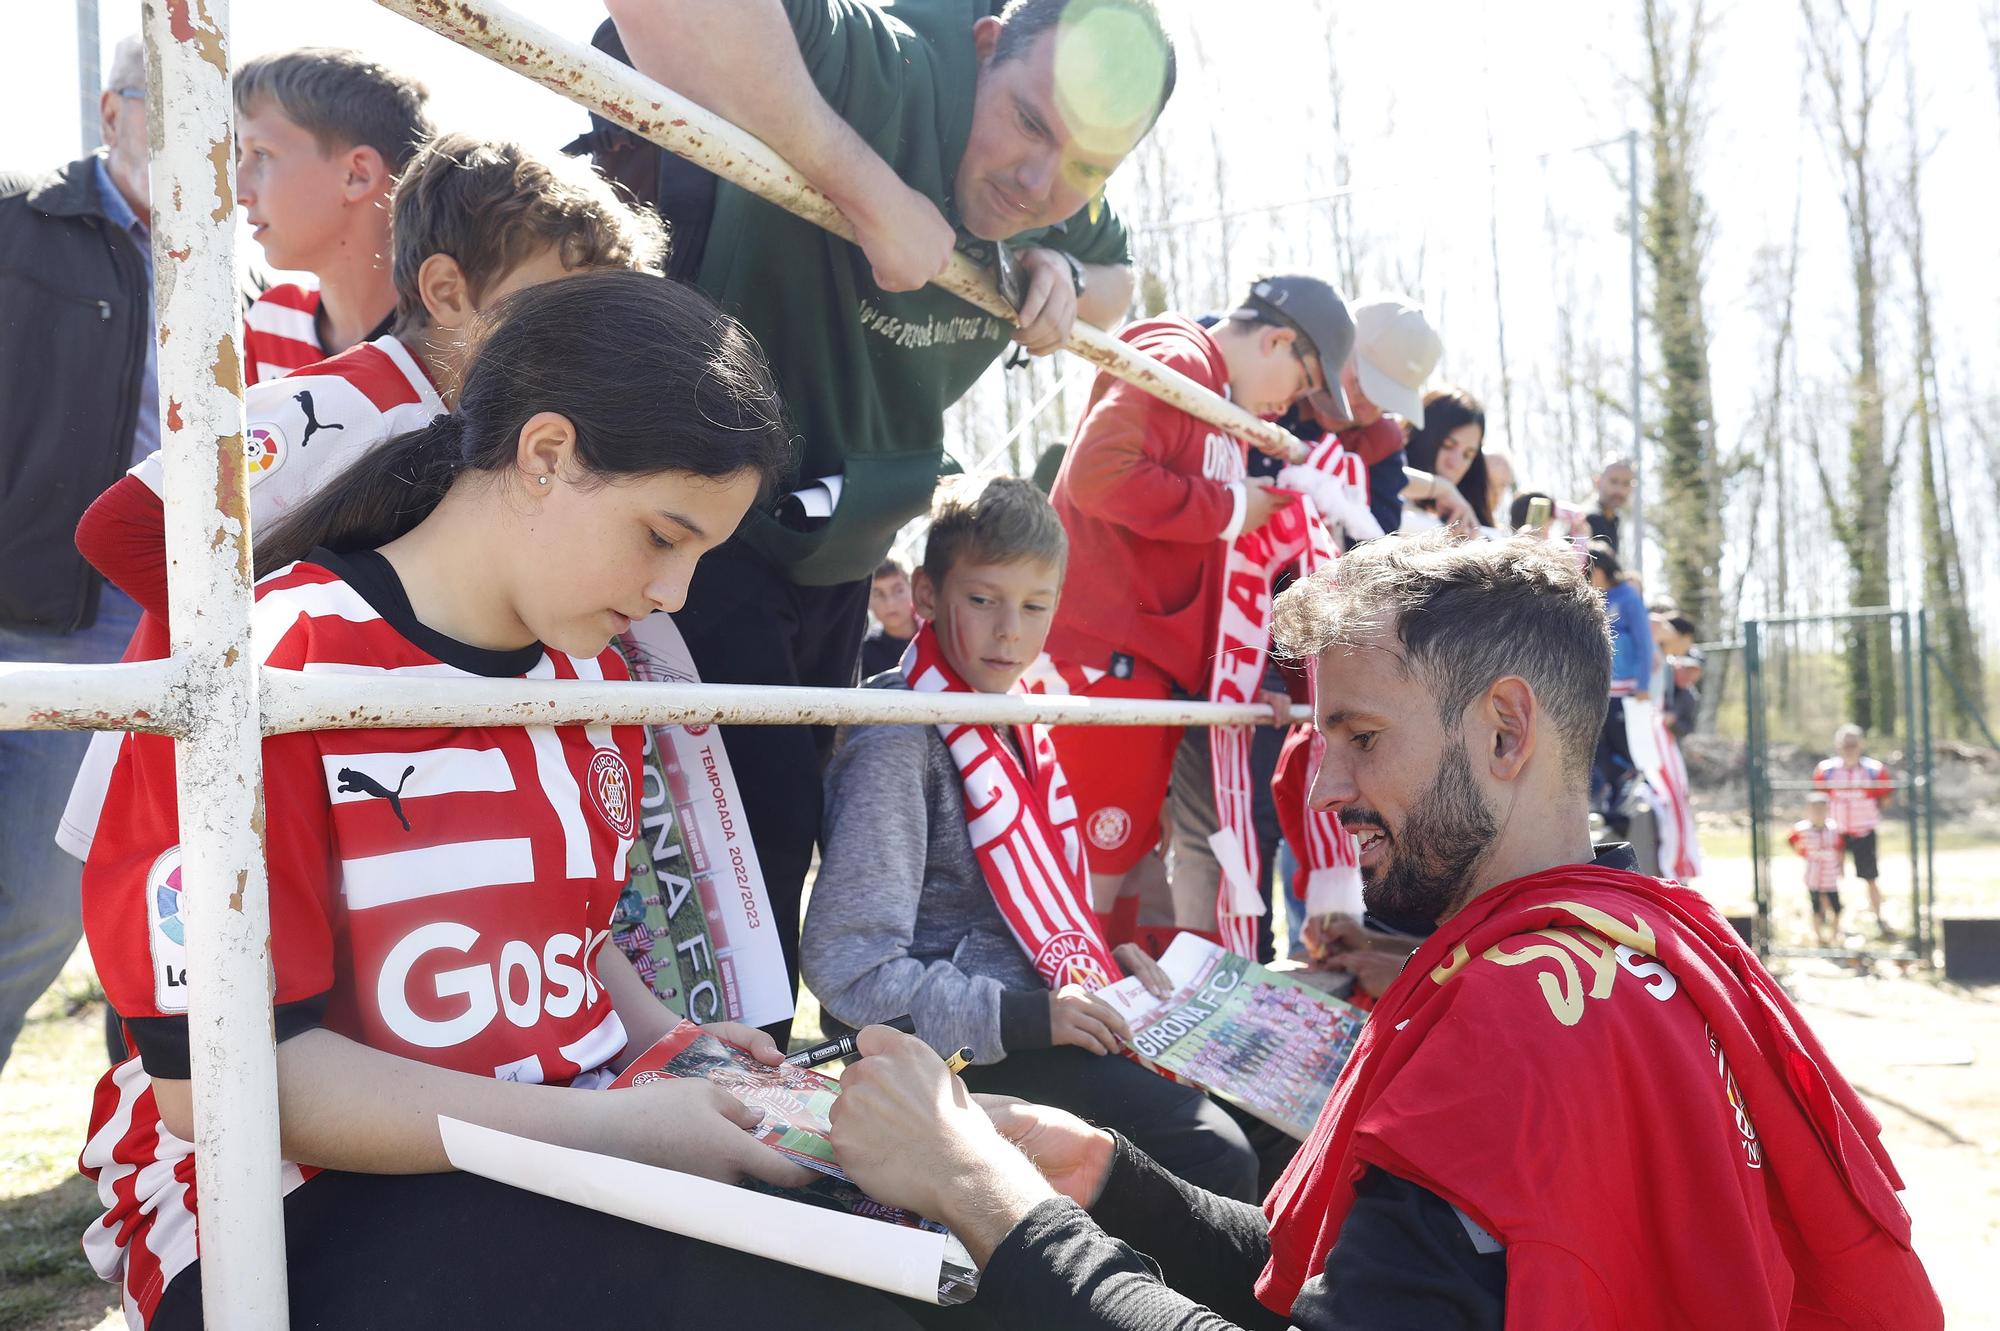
column 440, row 894
column 1149, row 496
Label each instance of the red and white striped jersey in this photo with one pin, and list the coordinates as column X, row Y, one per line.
column 280, row 332
column 304, row 429
column 1856, row 793
column 440, row 894
column 1822, row 847
column 300, row 432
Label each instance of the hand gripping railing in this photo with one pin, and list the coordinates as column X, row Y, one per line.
column 626, row 97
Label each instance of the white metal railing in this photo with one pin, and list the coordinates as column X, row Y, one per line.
column 217, row 704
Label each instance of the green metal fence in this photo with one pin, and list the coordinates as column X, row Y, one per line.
column 1795, row 689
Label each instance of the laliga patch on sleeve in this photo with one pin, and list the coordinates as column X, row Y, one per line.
column 166, row 918
column 264, row 449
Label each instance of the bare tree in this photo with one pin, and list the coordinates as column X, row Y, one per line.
column 1944, row 569
column 1841, row 52
column 1674, row 231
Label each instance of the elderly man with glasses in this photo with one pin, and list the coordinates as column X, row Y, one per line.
column 77, row 375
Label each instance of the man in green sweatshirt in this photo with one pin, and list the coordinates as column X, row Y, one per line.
column 932, row 125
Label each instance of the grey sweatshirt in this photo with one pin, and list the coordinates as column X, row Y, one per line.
column 901, row 919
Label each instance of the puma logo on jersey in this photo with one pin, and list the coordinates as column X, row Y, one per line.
column 305, row 400
column 360, row 783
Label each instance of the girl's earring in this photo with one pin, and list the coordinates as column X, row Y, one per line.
column 541, row 480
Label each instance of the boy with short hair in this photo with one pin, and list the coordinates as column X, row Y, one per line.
column 321, row 135
column 1858, row 788
column 475, row 222
column 895, row 620
column 1820, row 842
column 953, row 885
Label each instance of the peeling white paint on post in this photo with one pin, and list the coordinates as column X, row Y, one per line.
column 294, row 700
column 218, row 757
column 626, row 97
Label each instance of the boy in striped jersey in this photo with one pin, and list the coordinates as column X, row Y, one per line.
column 475, row 222
column 952, row 882
column 321, row 135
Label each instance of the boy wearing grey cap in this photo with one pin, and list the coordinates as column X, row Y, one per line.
column 1152, row 499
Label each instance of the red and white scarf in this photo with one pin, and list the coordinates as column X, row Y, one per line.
column 1242, row 644
column 1023, row 827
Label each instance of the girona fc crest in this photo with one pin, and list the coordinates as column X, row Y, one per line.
column 1108, row 828
column 1084, row 971
column 610, row 784
column 1067, row 959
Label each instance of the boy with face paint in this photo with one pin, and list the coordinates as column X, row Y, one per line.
column 931, row 901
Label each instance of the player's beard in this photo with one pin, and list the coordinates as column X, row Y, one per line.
column 1433, row 853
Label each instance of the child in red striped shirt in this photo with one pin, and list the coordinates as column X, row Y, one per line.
column 1821, row 843
column 321, row 135
column 475, row 222
column 440, row 898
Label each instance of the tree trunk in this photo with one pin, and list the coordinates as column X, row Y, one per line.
column 1689, row 494
column 1944, row 569
column 1862, row 528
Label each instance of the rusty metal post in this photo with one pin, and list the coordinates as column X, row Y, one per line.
column 626, row 97
column 219, row 756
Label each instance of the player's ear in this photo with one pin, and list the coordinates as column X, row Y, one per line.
column 1508, row 712
column 923, row 593
column 446, row 295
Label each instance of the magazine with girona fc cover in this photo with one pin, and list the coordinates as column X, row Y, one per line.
column 795, row 1103
column 1265, row 1042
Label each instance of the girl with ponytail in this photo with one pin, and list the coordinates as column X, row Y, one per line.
column 440, row 898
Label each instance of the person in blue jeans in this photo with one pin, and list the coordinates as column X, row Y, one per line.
column 77, row 375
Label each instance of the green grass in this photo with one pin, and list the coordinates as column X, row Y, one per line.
column 45, row 1284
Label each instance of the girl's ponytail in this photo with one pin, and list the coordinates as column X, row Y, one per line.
column 384, row 493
